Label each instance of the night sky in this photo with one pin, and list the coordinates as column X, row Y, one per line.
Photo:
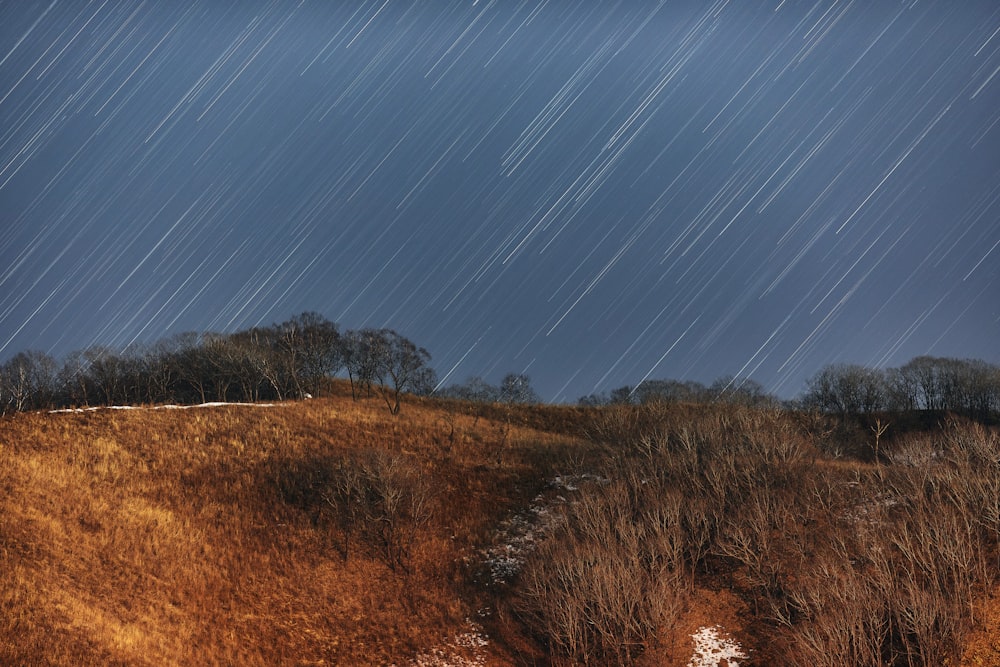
column 591, row 192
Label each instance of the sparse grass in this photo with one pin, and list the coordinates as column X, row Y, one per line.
column 330, row 532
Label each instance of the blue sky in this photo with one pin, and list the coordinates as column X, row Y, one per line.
column 589, row 192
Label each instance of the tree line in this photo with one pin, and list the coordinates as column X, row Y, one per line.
column 291, row 359
column 295, row 358
column 968, row 387
column 514, row 388
column 727, row 389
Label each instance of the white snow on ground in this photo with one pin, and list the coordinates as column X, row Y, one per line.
column 518, row 535
column 159, row 407
column 713, row 649
column 463, row 650
column 517, row 538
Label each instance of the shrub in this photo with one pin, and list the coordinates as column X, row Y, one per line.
column 606, row 579
column 376, row 497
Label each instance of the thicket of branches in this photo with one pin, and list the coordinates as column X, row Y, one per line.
column 291, row 359
column 727, row 389
column 969, row 387
column 372, row 501
column 839, row 564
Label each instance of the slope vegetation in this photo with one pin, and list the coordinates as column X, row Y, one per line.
column 331, row 532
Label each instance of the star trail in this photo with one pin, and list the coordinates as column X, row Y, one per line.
column 589, row 192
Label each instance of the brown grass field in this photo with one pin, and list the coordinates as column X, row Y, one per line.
column 219, row 536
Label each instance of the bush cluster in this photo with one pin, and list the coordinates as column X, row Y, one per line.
column 376, row 500
column 843, row 563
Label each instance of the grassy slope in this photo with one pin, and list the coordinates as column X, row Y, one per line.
column 163, row 537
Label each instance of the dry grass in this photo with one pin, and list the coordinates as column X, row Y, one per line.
column 330, row 532
column 177, row 537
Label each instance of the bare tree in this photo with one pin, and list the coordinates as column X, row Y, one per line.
column 311, row 349
column 399, row 366
column 846, row 389
column 516, row 388
column 359, row 350
column 74, row 379
column 108, row 372
column 27, row 381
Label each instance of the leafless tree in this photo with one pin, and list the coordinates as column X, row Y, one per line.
column 27, row 381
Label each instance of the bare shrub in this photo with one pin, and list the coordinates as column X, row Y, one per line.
column 602, row 584
column 973, row 444
column 937, row 560
column 973, row 452
column 394, row 503
column 756, row 535
column 917, row 451
column 376, row 497
column 841, row 617
column 768, row 435
column 894, row 582
column 630, row 426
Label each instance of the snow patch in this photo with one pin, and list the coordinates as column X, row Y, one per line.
column 169, row 406
column 463, row 650
column 714, row 649
column 516, row 538
column 519, row 535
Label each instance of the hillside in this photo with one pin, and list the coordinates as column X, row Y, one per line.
column 331, row 532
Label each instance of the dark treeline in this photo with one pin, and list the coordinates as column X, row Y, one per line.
column 514, row 388
column 292, row 359
column 295, row 359
column 968, row 387
column 737, row 391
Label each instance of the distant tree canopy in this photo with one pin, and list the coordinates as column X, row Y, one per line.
column 964, row 386
column 291, row 359
column 742, row 391
column 515, row 388
column 475, row 389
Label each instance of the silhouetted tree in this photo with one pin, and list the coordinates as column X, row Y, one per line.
column 311, row 349
column 592, row 400
column 109, row 373
column 846, row 389
column 924, row 374
column 741, row 391
column 967, row 386
column 360, row 350
column 901, row 390
column 516, row 388
column 73, row 379
column 621, row 396
column 193, row 366
column 399, row 366
column 670, row 390
column 474, row 389
column 425, row 382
